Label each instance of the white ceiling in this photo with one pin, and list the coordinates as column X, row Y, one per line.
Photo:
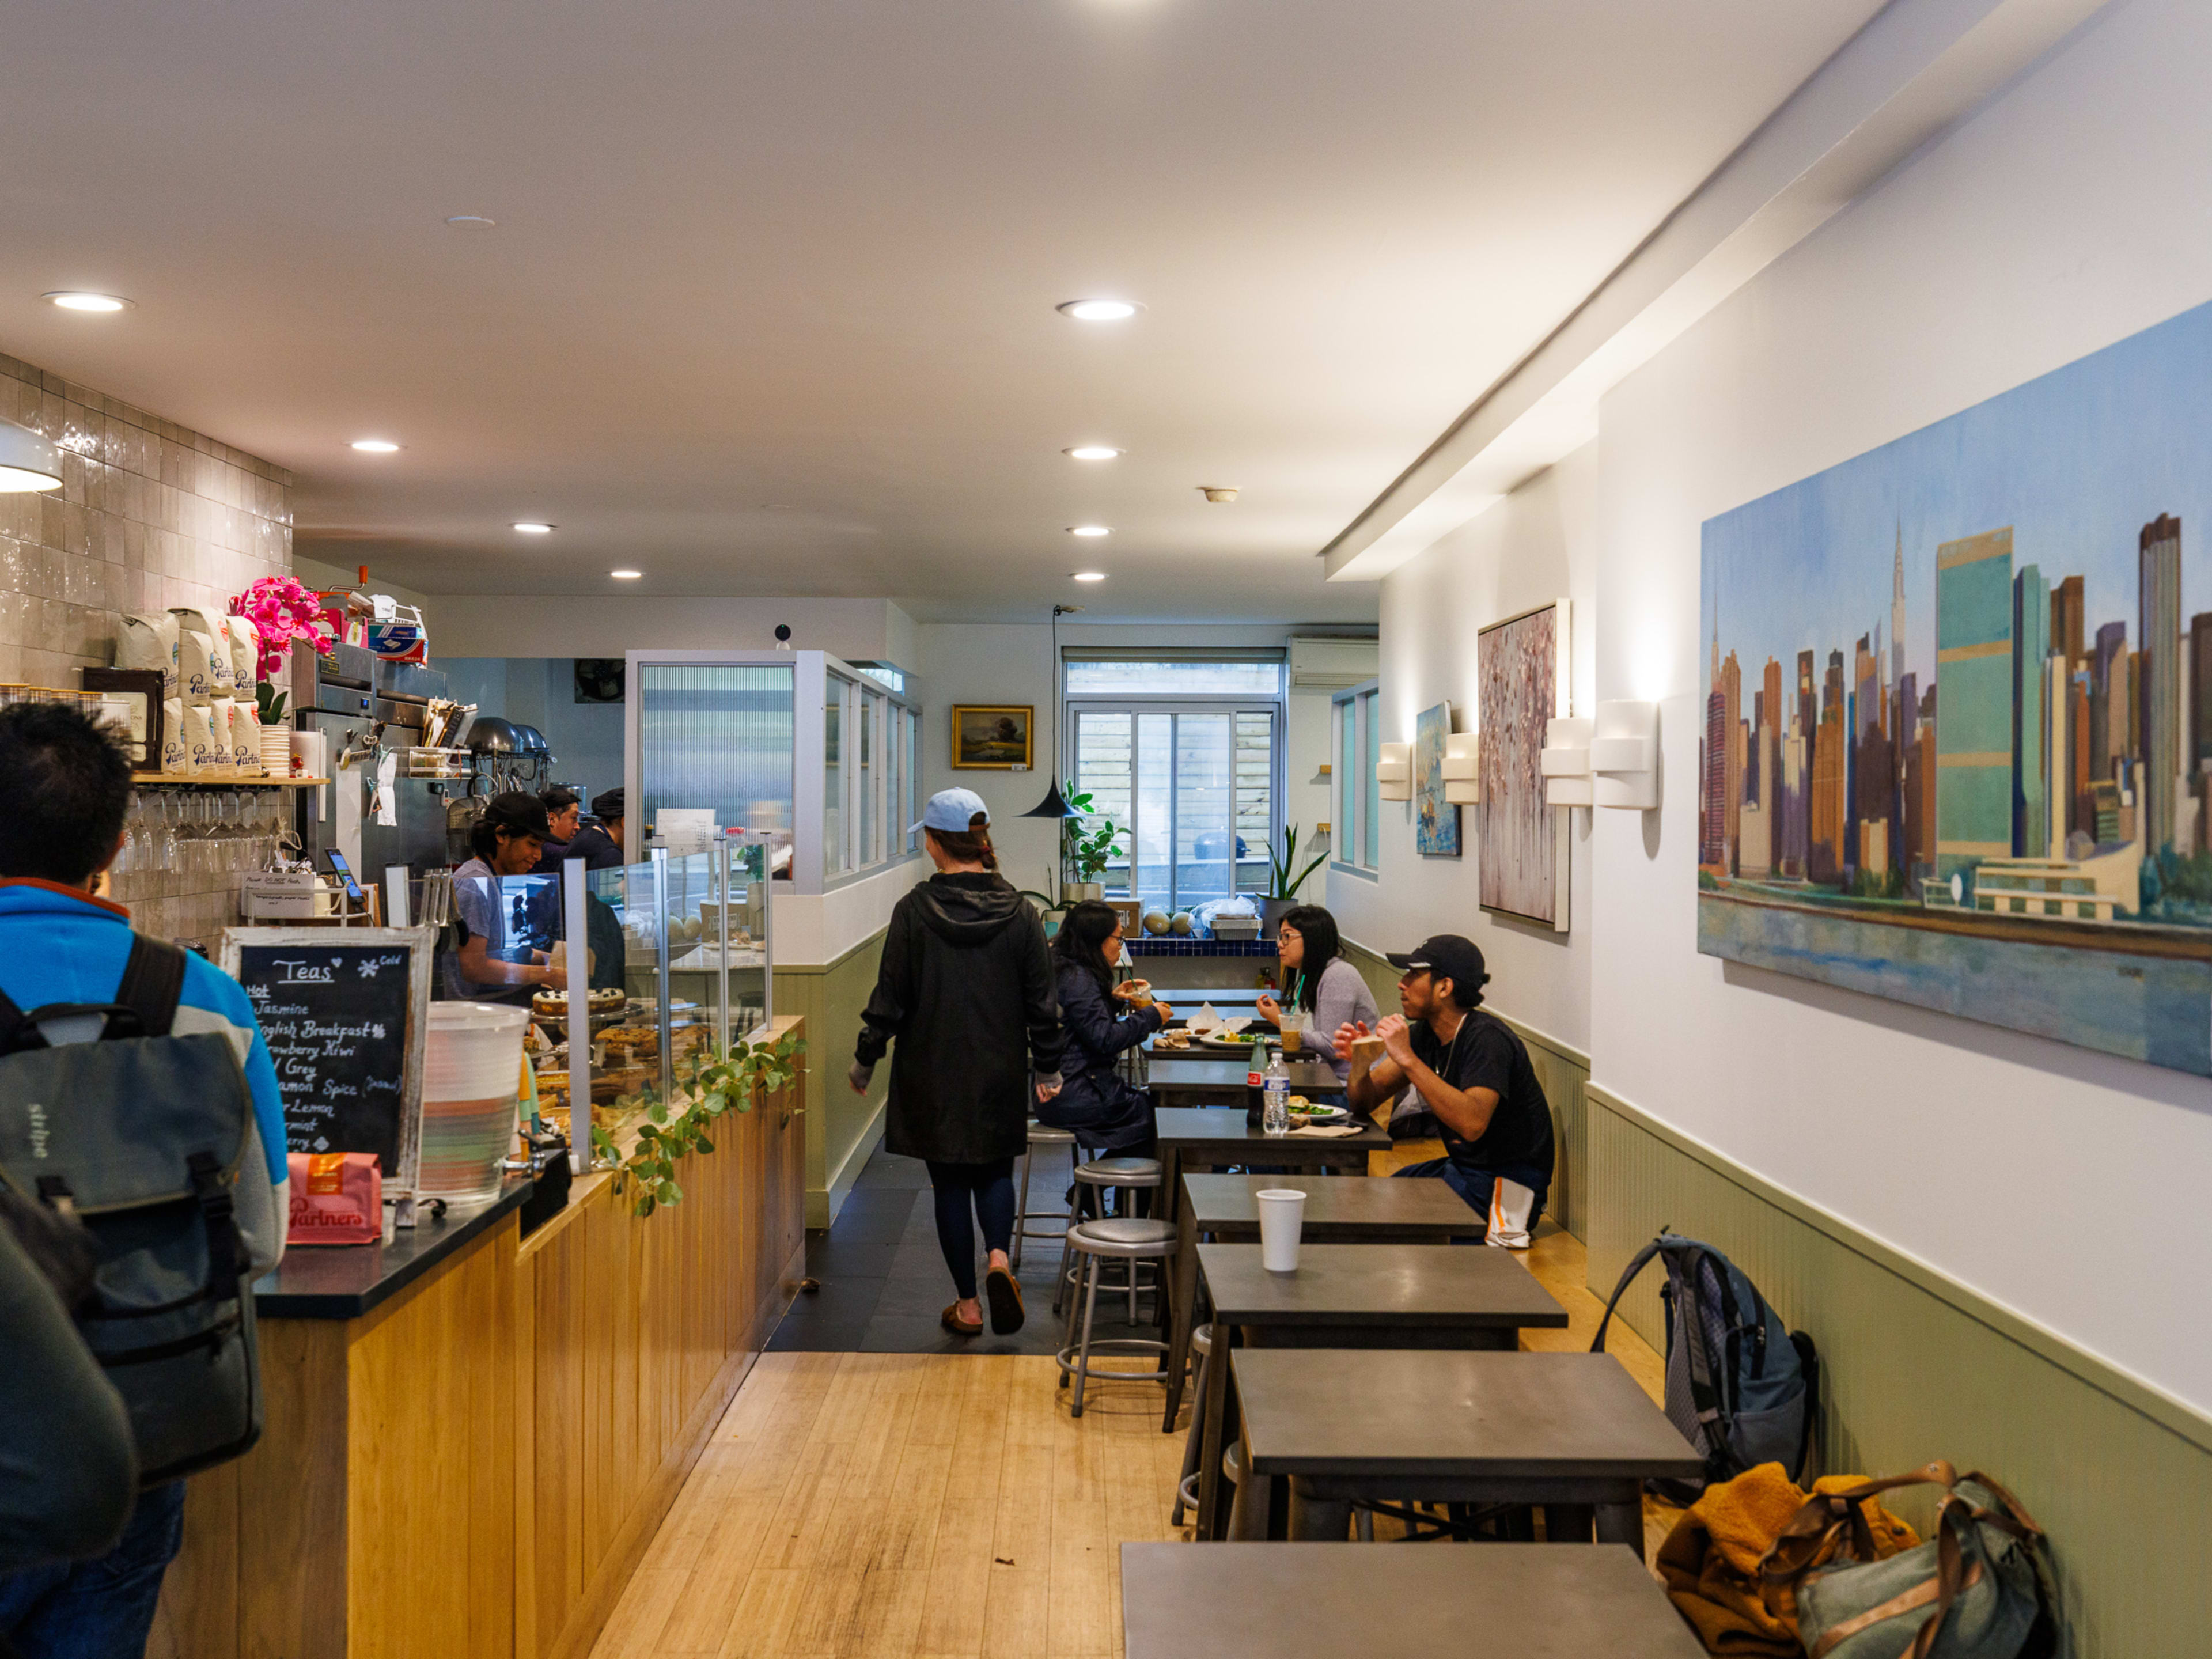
column 770, row 307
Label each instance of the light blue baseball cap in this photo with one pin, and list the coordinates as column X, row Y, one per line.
column 953, row 812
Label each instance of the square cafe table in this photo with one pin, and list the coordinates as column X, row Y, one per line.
column 1357, row 1296
column 1327, row 1601
column 1339, row 1210
column 1571, row 1432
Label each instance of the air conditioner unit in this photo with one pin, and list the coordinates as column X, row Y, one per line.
column 1331, row 665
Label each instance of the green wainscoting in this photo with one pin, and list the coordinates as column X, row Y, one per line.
column 1562, row 1069
column 1918, row 1366
column 841, row 1127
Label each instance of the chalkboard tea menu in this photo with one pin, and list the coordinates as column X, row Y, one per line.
column 344, row 1011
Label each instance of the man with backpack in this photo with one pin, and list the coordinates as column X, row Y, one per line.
column 1470, row 1070
column 86, row 997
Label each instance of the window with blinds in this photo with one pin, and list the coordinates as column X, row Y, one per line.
column 1184, row 752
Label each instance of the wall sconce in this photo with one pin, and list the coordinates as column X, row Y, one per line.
column 1462, row 782
column 1393, row 771
column 1566, row 762
column 1624, row 754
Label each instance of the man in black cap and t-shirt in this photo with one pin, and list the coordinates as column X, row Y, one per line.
column 1468, row 1068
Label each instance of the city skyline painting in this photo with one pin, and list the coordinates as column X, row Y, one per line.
column 1957, row 699
column 1436, row 820
column 1521, row 845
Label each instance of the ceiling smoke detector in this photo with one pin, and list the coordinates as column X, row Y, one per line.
column 1219, row 493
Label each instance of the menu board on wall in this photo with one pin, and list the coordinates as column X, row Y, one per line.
column 344, row 1012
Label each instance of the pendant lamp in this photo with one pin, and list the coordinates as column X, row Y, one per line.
column 1054, row 805
column 27, row 461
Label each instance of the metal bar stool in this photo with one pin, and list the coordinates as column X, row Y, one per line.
column 1092, row 1180
column 1201, row 1344
column 1039, row 1136
column 1125, row 1238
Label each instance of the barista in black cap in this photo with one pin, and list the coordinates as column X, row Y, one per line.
column 495, row 961
column 599, row 845
column 1468, row 1068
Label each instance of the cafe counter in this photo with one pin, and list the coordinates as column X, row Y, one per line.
column 470, row 1437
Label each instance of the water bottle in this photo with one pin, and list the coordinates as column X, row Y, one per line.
column 1275, row 1116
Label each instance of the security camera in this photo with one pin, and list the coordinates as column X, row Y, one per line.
column 783, row 635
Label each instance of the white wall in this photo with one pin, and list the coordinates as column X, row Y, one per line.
column 1537, row 545
column 483, row 625
column 2066, row 1184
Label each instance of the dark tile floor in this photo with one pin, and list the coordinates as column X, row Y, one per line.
column 883, row 1280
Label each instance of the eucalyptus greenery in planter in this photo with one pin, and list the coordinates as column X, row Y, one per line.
column 707, row 1085
column 1283, row 886
column 1086, row 841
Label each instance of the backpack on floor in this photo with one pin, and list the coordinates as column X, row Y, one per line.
column 1980, row 1588
column 137, row 1134
column 1742, row 1390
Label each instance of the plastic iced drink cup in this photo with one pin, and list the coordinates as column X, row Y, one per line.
column 1282, row 1218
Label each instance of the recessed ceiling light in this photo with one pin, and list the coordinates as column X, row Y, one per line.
column 471, row 221
column 1093, row 452
column 1089, row 530
column 535, row 529
column 1090, row 575
column 376, row 446
column 625, row 575
column 72, row 301
column 27, row 461
column 1099, row 311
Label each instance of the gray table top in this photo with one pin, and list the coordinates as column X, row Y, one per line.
column 1429, row 1284
column 1326, row 1601
column 1338, row 1208
column 1450, row 1413
column 1197, row 1127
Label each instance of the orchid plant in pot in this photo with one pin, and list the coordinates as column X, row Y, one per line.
column 1086, row 845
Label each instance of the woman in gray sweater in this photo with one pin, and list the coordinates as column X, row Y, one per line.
column 1319, row 979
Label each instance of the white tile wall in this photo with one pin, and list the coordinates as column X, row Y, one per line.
column 150, row 514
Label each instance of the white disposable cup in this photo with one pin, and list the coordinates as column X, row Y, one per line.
column 1282, row 1218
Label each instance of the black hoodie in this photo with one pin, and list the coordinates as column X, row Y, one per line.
column 966, row 989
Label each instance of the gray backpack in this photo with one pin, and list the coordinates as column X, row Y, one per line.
column 138, row 1136
column 1743, row 1389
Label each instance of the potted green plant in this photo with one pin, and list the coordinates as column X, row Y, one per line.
column 1282, row 885
column 1086, row 843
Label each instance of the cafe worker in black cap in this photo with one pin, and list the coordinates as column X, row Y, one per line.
column 497, row 960
column 599, row 845
column 1468, row 1069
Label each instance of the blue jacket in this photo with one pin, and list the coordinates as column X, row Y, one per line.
column 59, row 945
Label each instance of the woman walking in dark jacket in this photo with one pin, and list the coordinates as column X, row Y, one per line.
column 1105, row 1020
column 965, row 994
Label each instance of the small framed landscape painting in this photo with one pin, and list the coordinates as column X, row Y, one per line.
column 992, row 736
column 1435, row 824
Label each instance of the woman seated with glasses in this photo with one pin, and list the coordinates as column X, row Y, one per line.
column 1107, row 1113
column 1322, row 989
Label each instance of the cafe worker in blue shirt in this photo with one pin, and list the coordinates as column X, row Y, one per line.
column 1468, row 1068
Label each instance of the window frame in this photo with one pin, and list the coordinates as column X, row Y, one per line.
column 1353, row 712
column 1137, row 703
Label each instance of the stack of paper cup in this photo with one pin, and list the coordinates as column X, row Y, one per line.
column 471, row 1072
column 1282, row 1218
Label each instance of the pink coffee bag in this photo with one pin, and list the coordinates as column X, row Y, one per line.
column 337, row 1198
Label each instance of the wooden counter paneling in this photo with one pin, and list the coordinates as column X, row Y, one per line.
column 474, row 1469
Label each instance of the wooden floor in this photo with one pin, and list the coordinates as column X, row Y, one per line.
column 912, row 1504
